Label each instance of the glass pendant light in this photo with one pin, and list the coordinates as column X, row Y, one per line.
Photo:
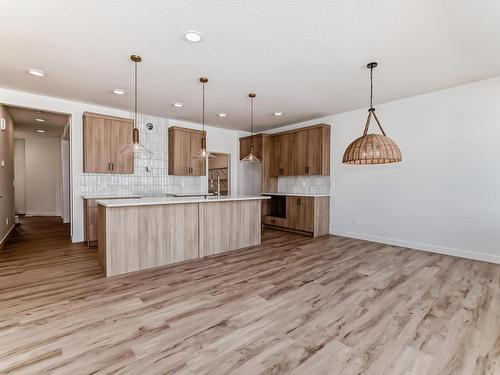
column 203, row 153
column 372, row 148
column 136, row 146
column 251, row 156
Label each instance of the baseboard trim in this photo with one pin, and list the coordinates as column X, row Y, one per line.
column 6, row 236
column 42, row 214
column 421, row 246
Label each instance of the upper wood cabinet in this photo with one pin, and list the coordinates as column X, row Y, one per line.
column 301, row 152
column 245, row 143
column 103, row 139
column 183, row 144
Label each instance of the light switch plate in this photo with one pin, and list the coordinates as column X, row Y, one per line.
column 2, row 124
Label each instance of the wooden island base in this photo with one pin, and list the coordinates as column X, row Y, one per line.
column 137, row 237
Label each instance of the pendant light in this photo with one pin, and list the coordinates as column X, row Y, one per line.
column 203, row 153
column 251, row 156
column 136, row 146
column 372, row 148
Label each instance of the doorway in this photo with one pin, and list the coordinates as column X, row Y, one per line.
column 219, row 174
column 41, row 163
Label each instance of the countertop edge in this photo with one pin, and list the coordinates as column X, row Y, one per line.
column 151, row 202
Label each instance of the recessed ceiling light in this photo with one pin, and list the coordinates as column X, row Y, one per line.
column 222, row 114
column 178, row 105
column 40, row 131
column 118, row 91
column 193, row 36
column 277, row 113
column 36, row 72
column 40, row 119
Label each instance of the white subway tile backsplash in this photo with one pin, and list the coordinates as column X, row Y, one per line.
column 304, row 184
column 153, row 183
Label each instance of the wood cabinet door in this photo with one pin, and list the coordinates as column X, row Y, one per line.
column 121, row 137
column 301, row 213
column 300, row 166
column 287, row 154
column 276, row 151
column 96, row 142
column 318, row 155
column 198, row 166
column 179, row 152
column 244, row 147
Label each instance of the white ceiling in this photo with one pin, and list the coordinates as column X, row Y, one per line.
column 305, row 58
column 25, row 123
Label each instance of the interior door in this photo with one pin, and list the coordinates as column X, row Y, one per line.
column 198, row 166
column 121, row 137
column 96, row 142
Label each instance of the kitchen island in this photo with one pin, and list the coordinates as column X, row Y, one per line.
column 136, row 234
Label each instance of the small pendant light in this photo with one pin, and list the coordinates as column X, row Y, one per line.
column 251, row 156
column 136, row 146
column 203, row 153
column 372, row 148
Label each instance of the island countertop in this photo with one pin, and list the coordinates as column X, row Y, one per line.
column 154, row 201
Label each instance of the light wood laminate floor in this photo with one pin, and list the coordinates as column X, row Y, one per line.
column 294, row 305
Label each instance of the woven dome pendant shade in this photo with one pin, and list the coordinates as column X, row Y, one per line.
column 372, row 148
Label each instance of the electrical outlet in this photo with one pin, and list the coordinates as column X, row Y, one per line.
column 6, row 221
column 355, row 221
column 3, row 163
column 3, row 125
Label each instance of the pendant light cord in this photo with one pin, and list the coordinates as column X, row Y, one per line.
column 251, row 122
column 371, row 88
column 135, row 95
column 203, row 107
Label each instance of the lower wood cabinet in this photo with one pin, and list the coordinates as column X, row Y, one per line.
column 310, row 215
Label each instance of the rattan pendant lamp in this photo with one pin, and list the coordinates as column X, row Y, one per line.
column 136, row 146
column 372, row 148
column 203, row 153
column 251, row 156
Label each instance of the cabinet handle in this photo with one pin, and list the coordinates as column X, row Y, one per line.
column 298, row 201
column 280, row 170
column 307, row 170
column 112, row 166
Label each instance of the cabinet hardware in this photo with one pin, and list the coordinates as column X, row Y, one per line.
column 109, row 166
column 307, row 170
column 112, row 166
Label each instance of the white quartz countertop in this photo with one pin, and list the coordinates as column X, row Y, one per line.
column 153, row 201
column 298, row 194
column 109, row 196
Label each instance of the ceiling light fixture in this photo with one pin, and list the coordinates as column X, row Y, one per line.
column 40, row 119
column 40, row 131
column 278, row 113
column 135, row 146
column 36, row 72
column 372, row 148
column 178, row 105
column 118, row 91
column 203, row 153
column 251, row 156
column 222, row 114
column 193, row 36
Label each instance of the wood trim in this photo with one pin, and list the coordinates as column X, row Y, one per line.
column 2, row 242
column 321, row 216
column 108, row 117
column 187, row 129
column 301, row 129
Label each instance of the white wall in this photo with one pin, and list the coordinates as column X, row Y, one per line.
column 43, row 176
column 65, row 173
column 6, row 175
column 20, row 176
column 444, row 196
